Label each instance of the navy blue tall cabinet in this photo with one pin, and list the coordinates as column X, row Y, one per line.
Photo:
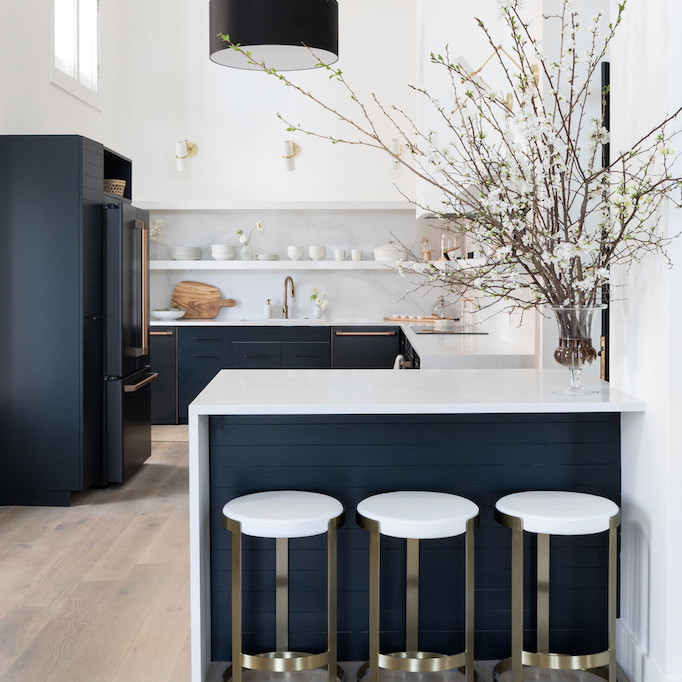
column 51, row 316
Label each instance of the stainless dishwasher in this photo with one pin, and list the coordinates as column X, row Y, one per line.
column 365, row 347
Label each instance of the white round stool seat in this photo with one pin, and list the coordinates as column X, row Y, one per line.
column 418, row 514
column 557, row 512
column 283, row 513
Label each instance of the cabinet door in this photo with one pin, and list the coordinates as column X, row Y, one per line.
column 202, row 353
column 364, row 347
column 306, row 356
column 259, row 355
column 163, row 358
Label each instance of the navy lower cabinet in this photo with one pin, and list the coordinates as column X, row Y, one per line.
column 163, row 358
column 280, row 348
column 204, row 350
column 202, row 353
column 365, row 347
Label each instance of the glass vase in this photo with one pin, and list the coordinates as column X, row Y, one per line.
column 317, row 312
column 246, row 252
column 575, row 349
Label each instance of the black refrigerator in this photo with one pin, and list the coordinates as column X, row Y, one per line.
column 126, row 360
column 73, row 295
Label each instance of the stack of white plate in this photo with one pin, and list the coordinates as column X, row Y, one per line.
column 185, row 252
column 267, row 256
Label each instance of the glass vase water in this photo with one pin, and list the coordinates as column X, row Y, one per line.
column 575, row 349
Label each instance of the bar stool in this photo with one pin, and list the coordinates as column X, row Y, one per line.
column 282, row 514
column 414, row 516
column 546, row 513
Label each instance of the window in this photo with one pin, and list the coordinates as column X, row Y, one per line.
column 75, row 48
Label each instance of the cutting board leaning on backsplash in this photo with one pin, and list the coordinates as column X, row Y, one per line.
column 200, row 301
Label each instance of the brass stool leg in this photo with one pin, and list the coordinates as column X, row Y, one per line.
column 282, row 594
column 237, row 604
column 469, row 600
column 542, row 586
column 331, row 602
column 374, row 601
column 517, row 604
column 412, row 596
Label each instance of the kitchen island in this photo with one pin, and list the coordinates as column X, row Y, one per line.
column 352, row 433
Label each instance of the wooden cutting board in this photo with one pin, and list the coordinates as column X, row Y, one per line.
column 200, row 301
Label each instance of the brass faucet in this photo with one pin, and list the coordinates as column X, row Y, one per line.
column 285, row 306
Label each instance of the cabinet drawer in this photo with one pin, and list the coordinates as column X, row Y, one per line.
column 204, row 340
column 280, row 334
column 306, row 356
column 256, row 355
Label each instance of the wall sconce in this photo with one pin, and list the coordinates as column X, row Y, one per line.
column 184, row 149
column 396, row 150
column 289, row 151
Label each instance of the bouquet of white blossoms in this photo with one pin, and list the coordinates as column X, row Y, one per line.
column 244, row 238
column 319, row 299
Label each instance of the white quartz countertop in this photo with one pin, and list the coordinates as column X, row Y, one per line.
column 337, row 391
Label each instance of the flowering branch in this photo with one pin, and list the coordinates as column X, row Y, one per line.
column 521, row 175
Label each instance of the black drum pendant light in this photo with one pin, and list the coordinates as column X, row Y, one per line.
column 280, row 33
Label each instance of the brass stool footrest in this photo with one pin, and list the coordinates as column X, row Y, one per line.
column 285, row 662
column 593, row 662
column 416, row 662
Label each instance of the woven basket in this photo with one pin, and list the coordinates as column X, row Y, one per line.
column 115, row 187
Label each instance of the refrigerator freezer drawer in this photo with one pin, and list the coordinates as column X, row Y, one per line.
column 128, row 424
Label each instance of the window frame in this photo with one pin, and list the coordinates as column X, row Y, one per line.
column 63, row 80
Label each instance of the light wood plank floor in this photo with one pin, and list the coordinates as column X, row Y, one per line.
column 99, row 591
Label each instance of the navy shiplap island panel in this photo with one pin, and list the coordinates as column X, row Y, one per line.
column 480, row 456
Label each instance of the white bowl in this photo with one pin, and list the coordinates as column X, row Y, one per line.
column 223, row 251
column 295, row 252
column 317, row 252
column 169, row 314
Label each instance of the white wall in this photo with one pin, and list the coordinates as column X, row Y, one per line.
column 232, row 115
column 646, row 334
column 30, row 104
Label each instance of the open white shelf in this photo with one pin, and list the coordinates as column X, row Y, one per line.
column 152, row 205
column 283, row 264
column 286, row 264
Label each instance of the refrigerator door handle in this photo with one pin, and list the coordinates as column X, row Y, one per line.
column 144, row 308
column 131, row 388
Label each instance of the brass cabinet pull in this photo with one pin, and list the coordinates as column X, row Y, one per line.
column 365, row 333
column 131, row 388
column 161, row 333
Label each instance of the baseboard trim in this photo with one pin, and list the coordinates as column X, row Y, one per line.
column 635, row 662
